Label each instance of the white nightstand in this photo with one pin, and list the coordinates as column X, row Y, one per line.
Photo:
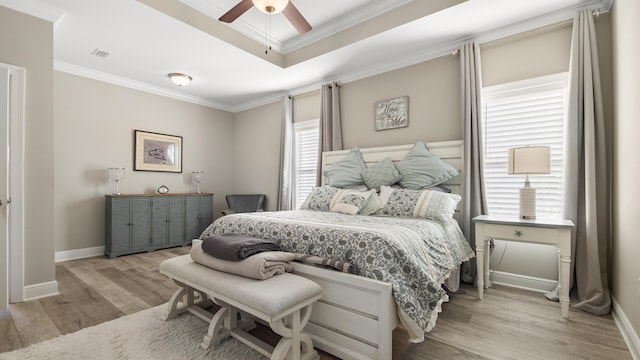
column 542, row 231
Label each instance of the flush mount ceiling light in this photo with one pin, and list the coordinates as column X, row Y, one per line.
column 270, row 6
column 180, row 79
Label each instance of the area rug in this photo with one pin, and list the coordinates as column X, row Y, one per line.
column 143, row 335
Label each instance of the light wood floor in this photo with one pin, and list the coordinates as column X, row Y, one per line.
column 507, row 324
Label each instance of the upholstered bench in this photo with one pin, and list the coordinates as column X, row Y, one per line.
column 283, row 301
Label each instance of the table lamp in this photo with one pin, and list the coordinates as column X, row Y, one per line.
column 115, row 175
column 197, row 177
column 529, row 160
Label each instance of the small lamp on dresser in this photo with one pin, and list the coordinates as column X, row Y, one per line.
column 529, row 160
column 197, row 177
column 115, row 175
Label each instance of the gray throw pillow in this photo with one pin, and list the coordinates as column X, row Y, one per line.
column 346, row 172
column 319, row 199
column 421, row 169
column 382, row 173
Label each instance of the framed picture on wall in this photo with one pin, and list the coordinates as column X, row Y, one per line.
column 392, row 113
column 157, row 152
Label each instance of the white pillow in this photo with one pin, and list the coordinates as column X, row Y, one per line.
column 428, row 204
column 353, row 202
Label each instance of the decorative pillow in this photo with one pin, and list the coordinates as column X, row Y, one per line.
column 346, row 172
column 382, row 173
column 319, row 199
column 421, row 169
column 355, row 202
column 428, row 204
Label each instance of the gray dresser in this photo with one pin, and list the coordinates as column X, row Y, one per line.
column 147, row 222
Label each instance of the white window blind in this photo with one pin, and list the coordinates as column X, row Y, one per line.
column 529, row 112
column 305, row 158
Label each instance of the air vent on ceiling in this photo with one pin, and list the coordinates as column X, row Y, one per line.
column 100, row 53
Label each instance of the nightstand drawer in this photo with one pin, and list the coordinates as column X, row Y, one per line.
column 521, row 233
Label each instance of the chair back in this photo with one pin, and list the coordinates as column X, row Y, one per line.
column 241, row 203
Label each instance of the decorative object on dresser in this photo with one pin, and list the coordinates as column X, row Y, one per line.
column 545, row 231
column 157, row 152
column 163, row 189
column 115, row 175
column 196, row 178
column 147, row 222
column 392, row 113
column 529, row 160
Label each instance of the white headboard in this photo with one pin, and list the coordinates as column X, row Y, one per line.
column 450, row 152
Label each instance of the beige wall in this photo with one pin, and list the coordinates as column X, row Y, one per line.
column 433, row 88
column 256, row 148
column 626, row 169
column 28, row 42
column 306, row 106
column 94, row 123
column 532, row 54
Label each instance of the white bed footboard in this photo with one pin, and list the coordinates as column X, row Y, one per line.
column 355, row 317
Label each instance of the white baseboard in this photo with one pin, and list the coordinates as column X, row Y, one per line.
column 522, row 281
column 628, row 332
column 79, row 253
column 42, row 290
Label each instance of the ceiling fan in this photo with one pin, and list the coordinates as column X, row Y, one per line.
column 269, row 7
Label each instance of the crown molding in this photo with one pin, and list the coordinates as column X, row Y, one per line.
column 335, row 26
column 137, row 85
column 349, row 76
column 341, row 23
column 437, row 51
column 34, row 8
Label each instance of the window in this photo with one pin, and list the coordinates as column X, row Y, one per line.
column 529, row 112
column 305, row 158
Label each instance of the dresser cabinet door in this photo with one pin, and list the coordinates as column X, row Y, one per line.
column 140, row 226
column 159, row 221
column 199, row 214
column 176, row 220
column 118, row 225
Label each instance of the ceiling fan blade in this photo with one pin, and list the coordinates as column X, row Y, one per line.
column 296, row 19
column 236, row 11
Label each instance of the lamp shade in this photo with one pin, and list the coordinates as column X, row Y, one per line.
column 529, row 160
column 270, row 6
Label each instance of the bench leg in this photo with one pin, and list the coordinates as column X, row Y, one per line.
column 294, row 344
column 218, row 327
column 184, row 298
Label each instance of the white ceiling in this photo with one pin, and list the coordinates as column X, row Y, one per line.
column 350, row 40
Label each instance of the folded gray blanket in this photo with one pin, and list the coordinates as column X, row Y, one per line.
column 260, row 266
column 326, row 262
column 236, row 247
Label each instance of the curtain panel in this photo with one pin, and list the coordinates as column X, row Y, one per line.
column 587, row 186
column 330, row 124
column 474, row 192
column 286, row 196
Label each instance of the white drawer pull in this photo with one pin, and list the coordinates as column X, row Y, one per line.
column 518, row 233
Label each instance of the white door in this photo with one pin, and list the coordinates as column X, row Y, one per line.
column 4, row 117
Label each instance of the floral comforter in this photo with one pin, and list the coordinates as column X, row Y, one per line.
column 414, row 255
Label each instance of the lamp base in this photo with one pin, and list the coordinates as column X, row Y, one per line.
column 527, row 202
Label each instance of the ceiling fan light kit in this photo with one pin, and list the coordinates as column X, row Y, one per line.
column 270, row 6
column 180, row 79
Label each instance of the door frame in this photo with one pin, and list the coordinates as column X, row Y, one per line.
column 15, row 221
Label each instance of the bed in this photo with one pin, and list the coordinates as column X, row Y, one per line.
column 399, row 263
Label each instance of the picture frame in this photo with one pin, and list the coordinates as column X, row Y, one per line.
column 157, row 152
column 392, row 113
